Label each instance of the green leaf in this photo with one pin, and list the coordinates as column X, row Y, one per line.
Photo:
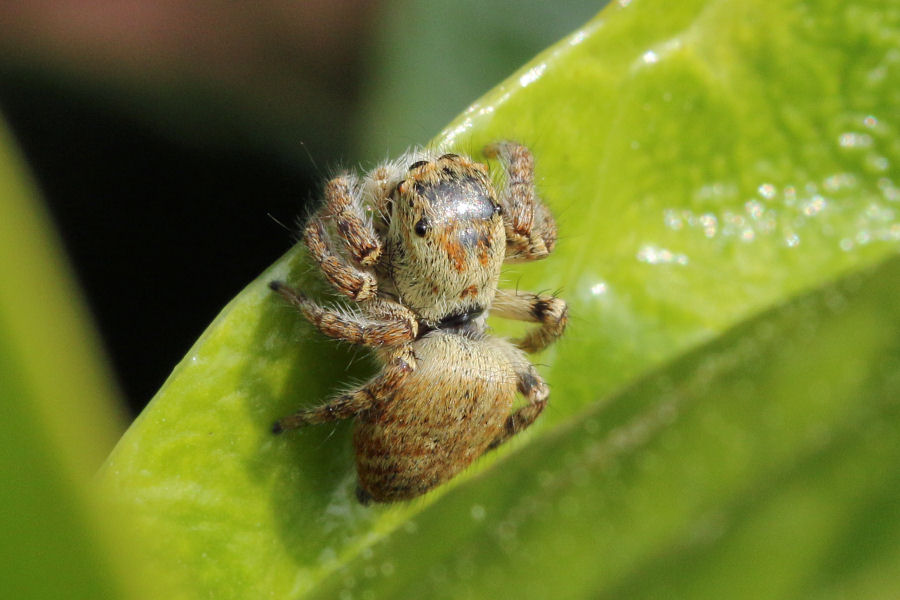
column 57, row 420
column 763, row 465
column 706, row 161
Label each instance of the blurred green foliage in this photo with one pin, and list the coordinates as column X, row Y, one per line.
column 57, row 417
column 429, row 59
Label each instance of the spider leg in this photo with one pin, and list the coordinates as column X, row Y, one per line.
column 551, row 312
column 347, row 271
column 536, row 391
column 344, row 207
column 351, row 281
column 354, row 328
column 530, row 228
column 354, row 403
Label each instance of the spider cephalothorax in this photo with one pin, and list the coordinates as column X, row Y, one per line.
column 445, row 240
column 422, row 240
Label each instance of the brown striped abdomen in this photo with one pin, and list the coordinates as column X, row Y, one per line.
column 443, row 417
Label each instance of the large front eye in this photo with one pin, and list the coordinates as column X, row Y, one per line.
column 421, row 228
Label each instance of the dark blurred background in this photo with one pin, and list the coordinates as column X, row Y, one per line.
column 171, row 139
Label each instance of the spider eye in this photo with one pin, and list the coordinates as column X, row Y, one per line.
column 498, row 209
column 421, row 227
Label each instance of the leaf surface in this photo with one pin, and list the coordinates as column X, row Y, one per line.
column 706, row 160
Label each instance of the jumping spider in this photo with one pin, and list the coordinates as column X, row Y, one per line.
column 424, row 274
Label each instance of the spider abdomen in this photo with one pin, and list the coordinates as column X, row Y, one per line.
column 445, row 416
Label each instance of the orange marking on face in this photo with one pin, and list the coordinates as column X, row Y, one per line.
column 455, row 251
column 469, row 291
column 484, row 252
